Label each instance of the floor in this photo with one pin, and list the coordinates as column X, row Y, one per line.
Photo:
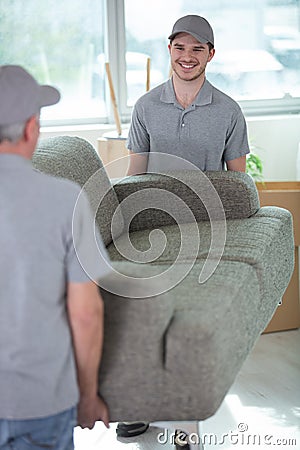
column 261, row 410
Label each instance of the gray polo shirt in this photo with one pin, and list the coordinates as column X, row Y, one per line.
column 37, row 259
column 209, row 132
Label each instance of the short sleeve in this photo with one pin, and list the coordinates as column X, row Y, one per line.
column 138, row 139
column 237, row 139
column 87, row 258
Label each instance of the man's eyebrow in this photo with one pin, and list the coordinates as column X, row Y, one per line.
column 178, row 44
column 199, row 46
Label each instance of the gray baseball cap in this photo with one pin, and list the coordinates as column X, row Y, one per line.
column 21, row 97
column 197, row 26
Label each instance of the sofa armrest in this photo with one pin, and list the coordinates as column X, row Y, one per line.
column 200, row 191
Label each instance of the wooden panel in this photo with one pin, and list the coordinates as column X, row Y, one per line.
column 285, row 194
column 114, row 156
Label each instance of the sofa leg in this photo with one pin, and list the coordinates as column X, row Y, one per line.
column 192, row 429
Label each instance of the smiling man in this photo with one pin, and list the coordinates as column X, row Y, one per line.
column 186, row 116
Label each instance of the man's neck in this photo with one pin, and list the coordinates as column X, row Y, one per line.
column 10, row 148
column 186, row 91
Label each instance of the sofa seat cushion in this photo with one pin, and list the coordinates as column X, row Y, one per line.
column 257, row 241
column 246, row 240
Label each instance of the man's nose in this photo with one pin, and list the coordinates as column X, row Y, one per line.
column 188, row 54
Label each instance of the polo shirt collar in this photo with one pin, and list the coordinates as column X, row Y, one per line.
column 204, row 96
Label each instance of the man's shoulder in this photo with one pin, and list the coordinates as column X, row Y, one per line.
column 224, row 98
column 54, row 185
column 151, row 96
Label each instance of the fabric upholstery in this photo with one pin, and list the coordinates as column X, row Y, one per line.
column 174, row 355
column 75, row 159
column 235, row 190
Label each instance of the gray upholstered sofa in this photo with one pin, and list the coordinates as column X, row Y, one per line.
column 172, row 353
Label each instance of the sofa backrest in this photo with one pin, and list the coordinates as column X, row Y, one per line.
column 236, row 191
column 75, row 159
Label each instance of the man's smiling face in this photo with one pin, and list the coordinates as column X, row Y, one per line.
column 189, row 57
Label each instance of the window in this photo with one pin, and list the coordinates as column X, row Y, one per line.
column 257, row 43
column 58, row 43
column 67, row 43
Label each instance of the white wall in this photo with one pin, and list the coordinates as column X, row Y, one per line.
column 276, row 139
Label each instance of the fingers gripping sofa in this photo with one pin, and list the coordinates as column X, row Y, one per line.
column 172, row 354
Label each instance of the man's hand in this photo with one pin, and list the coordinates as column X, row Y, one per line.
column 91, row 410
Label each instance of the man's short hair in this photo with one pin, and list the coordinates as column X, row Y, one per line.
column 13, row 132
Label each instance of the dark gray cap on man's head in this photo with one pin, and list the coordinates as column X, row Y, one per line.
column 197, row 26
column 21, row 97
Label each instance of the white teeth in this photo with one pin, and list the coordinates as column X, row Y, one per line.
column 185, row 66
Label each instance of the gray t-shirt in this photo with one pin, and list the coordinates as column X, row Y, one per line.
column 37, row 259
column 208, row 133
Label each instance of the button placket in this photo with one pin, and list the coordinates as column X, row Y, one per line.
column 183, row 125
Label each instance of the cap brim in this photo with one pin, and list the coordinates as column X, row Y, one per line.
column 48, row 95
column 196, row 36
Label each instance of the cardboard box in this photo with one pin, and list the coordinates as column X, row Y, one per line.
column 286, row 195
column 287, row 315
column 114, row 156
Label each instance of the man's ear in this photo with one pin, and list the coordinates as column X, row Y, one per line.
column 30, row 127
column 211, row 54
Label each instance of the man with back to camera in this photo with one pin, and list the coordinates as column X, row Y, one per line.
column 186, row 116
column 51, row 313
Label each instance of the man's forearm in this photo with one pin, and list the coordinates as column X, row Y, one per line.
column 88, row 349
column 86, row 321
column 238, row 164
column 137, row 163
